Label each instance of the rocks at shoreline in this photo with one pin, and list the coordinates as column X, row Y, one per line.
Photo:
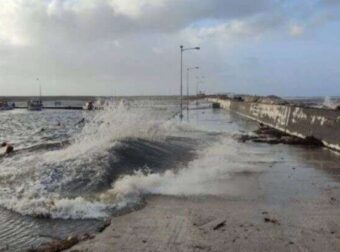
column 56, row 246
column 265, row 134
column 270, row 99
column 63, row 244
column 105, row 225
column 60, row 245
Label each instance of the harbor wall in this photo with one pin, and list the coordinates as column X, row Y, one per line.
column 322, row 124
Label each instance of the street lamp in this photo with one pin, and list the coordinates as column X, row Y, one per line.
column 188, row 71
column 181, row 86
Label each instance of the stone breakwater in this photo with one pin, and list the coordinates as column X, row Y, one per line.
column 300, row 121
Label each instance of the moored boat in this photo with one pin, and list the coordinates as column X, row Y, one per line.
column 34, row 105
column 5, row 106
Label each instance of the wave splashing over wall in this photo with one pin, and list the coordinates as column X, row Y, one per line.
column 208, row 174
column 67, row 182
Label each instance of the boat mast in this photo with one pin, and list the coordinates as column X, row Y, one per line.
column 39, row 89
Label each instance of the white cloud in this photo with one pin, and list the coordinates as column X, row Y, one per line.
column 12, row 23
column 135, row 8
column 235, row 30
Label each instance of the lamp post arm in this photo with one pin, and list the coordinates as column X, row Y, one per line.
column 191, row 48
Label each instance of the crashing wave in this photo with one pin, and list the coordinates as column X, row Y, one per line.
column 66, row 182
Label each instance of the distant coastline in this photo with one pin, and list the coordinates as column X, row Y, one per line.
column 80, row 97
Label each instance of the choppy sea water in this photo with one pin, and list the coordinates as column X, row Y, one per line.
column 67, row 177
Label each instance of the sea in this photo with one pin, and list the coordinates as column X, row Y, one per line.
column 71, row 170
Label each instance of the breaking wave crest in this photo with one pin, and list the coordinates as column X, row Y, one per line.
column 329, row 103
column 67, row 181
column 217, row 162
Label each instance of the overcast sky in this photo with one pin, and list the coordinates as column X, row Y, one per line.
column 131, row 47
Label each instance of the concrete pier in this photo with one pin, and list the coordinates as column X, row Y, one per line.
column 322, row 124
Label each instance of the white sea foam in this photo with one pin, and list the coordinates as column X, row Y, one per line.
column 216, row 163
column 32, row 183
column 110, row 125
column 329, row 103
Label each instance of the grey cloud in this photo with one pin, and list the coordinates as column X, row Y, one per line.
column 103, row 21
column 84, row 47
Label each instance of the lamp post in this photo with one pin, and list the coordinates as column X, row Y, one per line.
column 181, row 81
column 188, row 72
